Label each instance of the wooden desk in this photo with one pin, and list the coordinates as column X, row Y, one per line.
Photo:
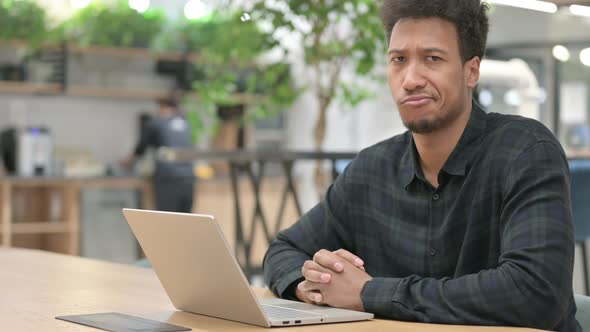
column 36, row 286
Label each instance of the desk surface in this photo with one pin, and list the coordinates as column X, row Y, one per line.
column 179, row 154
column 36, row 286
column 98, row 181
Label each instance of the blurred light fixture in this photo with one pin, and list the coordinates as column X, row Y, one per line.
column 542, row 95
column 79, row 4
column 561, row 53
column 195, row 9
column 486, row 98
column 139, row 5
column 512, row 98
column 245, row 17
column 542, row 6
column 585, row 56
column 580, row 10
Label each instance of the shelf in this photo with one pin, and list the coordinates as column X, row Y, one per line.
column 27, row 87
column 27, row 44
column 100, row 92
column 40, row 227
column 122, row 52
column 79, row 91
column 107, row 92
column 130, row 52
column 238, row 98
column 15, row 43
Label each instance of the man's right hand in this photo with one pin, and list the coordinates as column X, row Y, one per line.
column 319, row 271
column 333, row 259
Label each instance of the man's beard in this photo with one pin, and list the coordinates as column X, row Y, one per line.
column 424, row 126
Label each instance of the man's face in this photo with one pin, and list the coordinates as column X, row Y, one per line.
column 427, row 77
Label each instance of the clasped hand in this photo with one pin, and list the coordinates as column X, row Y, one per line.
column 335, row 279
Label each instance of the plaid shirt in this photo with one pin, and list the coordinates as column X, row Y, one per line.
column 492, row 245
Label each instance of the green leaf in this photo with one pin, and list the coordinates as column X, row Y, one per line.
column 113, row 25
column 23, row 19
column 323, row 42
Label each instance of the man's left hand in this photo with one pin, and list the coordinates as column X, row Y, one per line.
column 343, row 289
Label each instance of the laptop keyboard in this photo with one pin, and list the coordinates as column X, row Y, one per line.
column 278, row 313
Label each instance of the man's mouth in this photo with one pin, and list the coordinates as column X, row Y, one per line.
column 416, row 100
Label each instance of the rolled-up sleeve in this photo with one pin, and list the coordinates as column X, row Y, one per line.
column 323, row 227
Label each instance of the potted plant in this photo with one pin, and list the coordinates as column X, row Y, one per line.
column 333, row 34
column 113, row 25
column 23, row 19
column 229, row 73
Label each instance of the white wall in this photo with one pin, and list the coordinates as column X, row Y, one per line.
column 106, row 128
column 348, row 130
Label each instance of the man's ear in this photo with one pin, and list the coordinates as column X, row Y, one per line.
column 471, row 70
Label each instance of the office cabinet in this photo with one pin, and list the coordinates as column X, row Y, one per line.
column 104, row 233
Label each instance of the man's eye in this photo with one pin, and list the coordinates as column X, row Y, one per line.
column 398, row 59
column 434, row 58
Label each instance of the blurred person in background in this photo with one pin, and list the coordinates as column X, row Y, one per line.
column 173, row 181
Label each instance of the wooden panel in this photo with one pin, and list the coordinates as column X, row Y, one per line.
column 147, row 199
column 25, row 87
column 114, row 92
column 27, row 44
column 32, row 241
column 59, row 242
column 26, row 204
column 40, row 227
column 6, row 217
column 150, row 94
column 71, row 210
column 212, row 197
column 130, row 52
column 29, row 204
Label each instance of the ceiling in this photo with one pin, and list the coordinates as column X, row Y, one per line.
column 571, row 2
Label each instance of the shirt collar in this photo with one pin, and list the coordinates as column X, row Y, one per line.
column 463, row 153
column 410, row 163
column 460, row 157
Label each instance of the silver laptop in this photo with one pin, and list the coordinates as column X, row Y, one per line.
column 200, row 275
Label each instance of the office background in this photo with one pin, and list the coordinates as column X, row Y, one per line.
column 74, row 109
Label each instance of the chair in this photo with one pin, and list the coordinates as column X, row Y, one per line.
column 580, row 192
column 583, row 314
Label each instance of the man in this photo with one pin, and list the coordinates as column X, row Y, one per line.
column 173, row 181
column 464, row 219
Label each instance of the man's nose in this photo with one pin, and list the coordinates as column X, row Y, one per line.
column 413, row 78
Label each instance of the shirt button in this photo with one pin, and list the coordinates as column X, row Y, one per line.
column 433, row 252
column 435, row 197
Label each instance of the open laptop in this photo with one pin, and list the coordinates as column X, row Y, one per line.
column 200, row 275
